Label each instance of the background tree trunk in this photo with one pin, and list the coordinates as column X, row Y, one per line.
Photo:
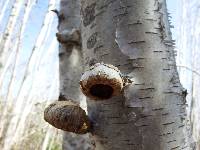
column 70, row 59
column 188, row 54
column 135, row 37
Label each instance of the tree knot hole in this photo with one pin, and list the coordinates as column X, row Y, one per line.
column 101, row 91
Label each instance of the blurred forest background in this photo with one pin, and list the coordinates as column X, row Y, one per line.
column 29, row 68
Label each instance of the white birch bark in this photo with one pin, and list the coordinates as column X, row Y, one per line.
column 135, row 36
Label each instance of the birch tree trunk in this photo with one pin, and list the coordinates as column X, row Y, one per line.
column 135, row 37
column 70, row 59
column 188, row 62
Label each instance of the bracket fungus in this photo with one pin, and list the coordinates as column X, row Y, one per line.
column 67, row 116
column 102, row 81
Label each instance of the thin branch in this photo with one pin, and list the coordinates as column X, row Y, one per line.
column 190, row 69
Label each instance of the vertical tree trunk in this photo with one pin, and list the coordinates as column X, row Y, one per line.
column 70, row 58
column 188, row 62
column 135, row 37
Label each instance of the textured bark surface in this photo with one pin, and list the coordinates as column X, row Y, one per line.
column 67, row 116
column 135, row 37
column 70, row 59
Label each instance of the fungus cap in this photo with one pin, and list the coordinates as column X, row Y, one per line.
column 67, row 116
column 101, row 81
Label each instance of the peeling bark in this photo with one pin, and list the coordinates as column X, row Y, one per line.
column 135, row 37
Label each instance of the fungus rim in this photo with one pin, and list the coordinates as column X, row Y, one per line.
column 100, row 73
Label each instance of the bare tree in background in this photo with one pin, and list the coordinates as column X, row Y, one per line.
column 70, row 60
column 135, row 37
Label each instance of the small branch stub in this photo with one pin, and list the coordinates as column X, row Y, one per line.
column 67, row 116
column 101, row 81
column 69, row 36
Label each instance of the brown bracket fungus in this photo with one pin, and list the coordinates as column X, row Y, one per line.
column 67, row 116
column 101, row 81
